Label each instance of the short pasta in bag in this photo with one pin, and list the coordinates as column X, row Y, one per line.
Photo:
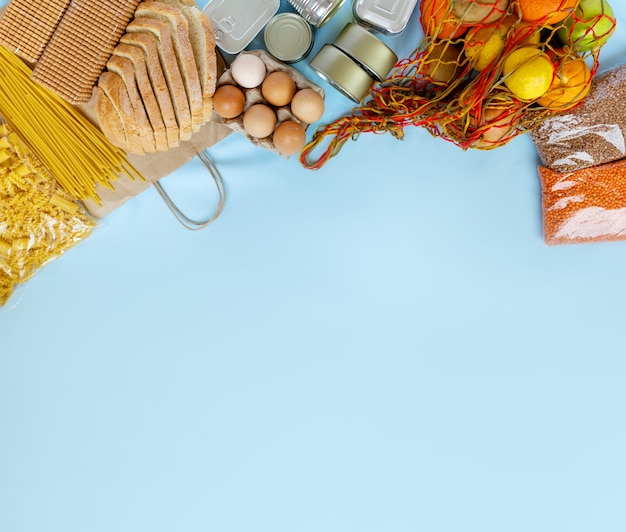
column 38, row 219
column 587, row 205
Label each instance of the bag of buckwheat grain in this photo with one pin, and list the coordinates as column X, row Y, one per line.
column 591, row 134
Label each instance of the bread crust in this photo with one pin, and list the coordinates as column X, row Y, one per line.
column 124, row 68
column 183, row 51
column 146, row 93
column 146, row 42
column 170, row 68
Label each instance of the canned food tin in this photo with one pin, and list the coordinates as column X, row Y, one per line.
column 288, row 37
column 386, row 16
column 237, row 22
column 340, row 71
column 316, row 12
column 367, row 49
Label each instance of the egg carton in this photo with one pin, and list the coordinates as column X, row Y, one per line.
column 254, row 96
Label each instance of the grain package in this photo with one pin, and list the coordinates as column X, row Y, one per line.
column 590, row 134
column 586, row 205
column 39, row 221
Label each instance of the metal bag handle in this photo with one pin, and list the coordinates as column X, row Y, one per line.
column 188, row 223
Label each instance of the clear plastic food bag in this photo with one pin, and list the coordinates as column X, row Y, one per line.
column 38, row 220
column 591, row 134
column 586, row 205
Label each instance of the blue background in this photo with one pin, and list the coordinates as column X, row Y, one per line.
column 382, row 345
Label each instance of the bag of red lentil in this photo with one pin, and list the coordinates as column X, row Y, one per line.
column 586, row 205
column 591, row 134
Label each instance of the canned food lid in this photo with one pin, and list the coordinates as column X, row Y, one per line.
column 288, row 37
column 340, row 71
column 387, row 16
column 367, row 49
column 237, row 22
column 332, row 9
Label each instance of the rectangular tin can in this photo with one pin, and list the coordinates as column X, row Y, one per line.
column 385, row 16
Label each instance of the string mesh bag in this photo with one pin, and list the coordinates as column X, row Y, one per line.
column 484, row 72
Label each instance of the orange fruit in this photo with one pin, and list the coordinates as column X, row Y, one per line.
column 438, row 21
column 546, row 12
column 570, row 85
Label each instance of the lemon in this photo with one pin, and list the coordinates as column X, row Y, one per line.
column 483, row 44
column 528, row 73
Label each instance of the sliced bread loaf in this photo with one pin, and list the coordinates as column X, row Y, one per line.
column 170, row 67
column 203, row 44
column 146, row 43
column 109, row 118
column 124, row 69
column 135, row 57
column 179, row 28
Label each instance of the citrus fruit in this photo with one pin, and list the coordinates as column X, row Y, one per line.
column 528, row 72
column 479, row 12
column 438, row 21
column 547, row 12
column 569, row 86
column 483, row 44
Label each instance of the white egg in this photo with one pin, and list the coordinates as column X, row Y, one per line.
column 248, row 70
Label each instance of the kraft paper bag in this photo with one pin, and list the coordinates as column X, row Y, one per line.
column 155, row 166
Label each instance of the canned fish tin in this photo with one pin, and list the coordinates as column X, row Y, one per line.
column 237, row 22
column 367, row 49
column 340, row 71
column 385, row 16
column 316, row 12
column 288, row 37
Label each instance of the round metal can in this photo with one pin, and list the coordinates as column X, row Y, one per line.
column 367, row 49
column 288, row 37
column 316, row 12
column 340, row 71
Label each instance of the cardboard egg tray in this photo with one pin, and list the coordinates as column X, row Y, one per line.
column 254, row 96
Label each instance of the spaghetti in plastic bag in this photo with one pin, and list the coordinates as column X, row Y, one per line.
column 39, row 221
column 462, row 82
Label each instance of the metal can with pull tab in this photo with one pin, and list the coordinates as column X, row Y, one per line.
column 316, row 12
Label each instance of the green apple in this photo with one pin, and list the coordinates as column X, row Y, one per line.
column 589, row 27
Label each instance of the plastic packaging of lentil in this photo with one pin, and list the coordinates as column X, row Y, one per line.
column 586, row 205
column 591, row 134
column 39, row 221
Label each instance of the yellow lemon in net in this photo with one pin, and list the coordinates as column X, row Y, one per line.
column 483, row 44
column 528, row 73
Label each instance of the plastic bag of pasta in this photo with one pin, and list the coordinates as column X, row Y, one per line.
column 38, row 220
column 586, row 205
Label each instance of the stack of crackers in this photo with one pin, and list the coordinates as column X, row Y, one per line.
column 70, row 41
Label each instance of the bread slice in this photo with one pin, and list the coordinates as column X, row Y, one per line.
column 169, row 64
column 113, row 87
column 124, row 69
column 134, row 56
column 146, row 42
column 110, row 121
column 203, row 43
column 179, row 28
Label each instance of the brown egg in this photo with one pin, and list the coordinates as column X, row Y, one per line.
column 259, row 121
column 228, row 101
column 289, row 137
column 278, row 88
column 307, row 105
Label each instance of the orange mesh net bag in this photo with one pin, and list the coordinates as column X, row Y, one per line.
column 484, row 72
